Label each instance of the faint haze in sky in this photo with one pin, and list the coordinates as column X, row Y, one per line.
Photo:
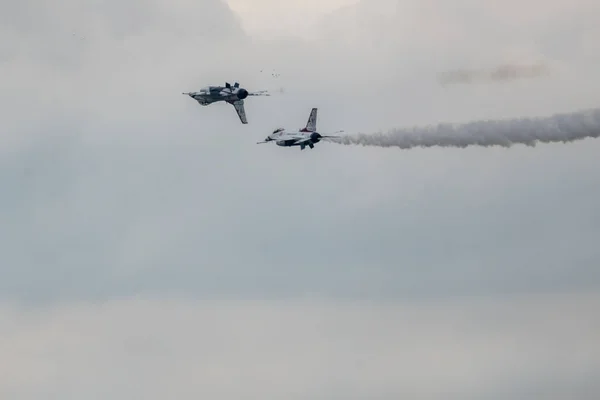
column 501, row 73
column 147, row 237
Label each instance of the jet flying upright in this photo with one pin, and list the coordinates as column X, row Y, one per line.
column 232, row 94
column 306, row 136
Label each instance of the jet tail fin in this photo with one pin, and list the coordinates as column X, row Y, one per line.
column 311, row 124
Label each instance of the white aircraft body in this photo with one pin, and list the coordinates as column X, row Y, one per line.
column 233, row 95
column 306, row 136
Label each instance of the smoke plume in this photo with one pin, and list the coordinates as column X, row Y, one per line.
column 527, row 131
column 498, row 74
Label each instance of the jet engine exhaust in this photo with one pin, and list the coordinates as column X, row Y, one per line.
column 505, row 133
column 242, row 94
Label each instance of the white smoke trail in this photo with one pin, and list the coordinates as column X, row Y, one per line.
column 528, row 131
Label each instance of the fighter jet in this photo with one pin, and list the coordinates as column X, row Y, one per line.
column 233, row 95
column 306, row 136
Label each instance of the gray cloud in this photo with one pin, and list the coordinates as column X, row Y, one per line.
column 534, row 346
column 118, row 184
column 106, row 34
column 158, row 214
column 149, row 249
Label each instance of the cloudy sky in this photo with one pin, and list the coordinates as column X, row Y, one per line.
column 149, row 249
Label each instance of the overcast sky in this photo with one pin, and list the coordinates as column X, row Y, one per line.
column 149, row 249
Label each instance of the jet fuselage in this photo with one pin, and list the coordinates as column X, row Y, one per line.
column 291, row 139
column 212, row 94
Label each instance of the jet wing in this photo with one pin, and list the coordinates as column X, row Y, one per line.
column 241, row 112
